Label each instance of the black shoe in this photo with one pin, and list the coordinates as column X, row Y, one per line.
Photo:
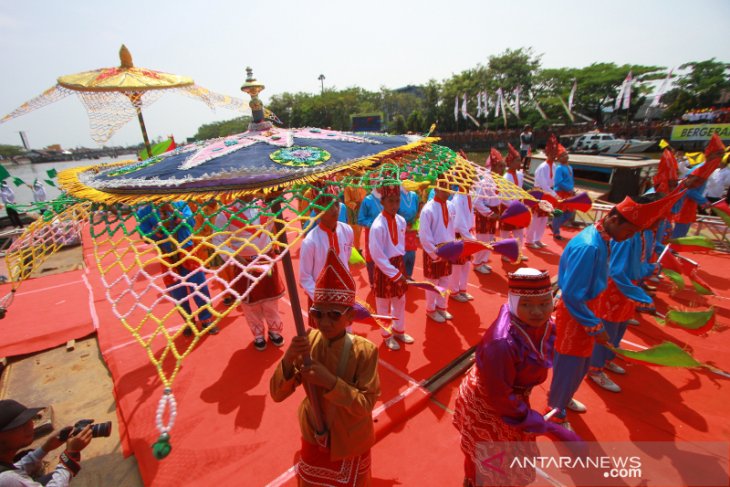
column 276, row 339
column 558, row 237
column 212, row 329
column 259, row 344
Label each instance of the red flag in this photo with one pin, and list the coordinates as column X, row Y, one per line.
column 517, row 215
column 713, row 155
column 580, row 202
column 669, row 261
column 687, row 268
column 722, row 210
column 699, row 284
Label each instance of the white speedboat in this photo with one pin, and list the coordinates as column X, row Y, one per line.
column 605, row 143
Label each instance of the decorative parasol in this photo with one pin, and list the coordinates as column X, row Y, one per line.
column 229, row 210
column 113, row 96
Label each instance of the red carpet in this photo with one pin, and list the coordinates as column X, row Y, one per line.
column 229, row 432
column 45, row 313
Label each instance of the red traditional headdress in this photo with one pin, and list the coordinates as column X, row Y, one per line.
column 713, row 157
column 667, row 171
column 512, row 154
column 389, row 189
column 561, row 150
column 645, row 215
column 529, row 282
column 334, row 284
column 551, row 147
column 495, row 156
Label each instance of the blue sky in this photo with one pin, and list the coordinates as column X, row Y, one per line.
column 289, row 43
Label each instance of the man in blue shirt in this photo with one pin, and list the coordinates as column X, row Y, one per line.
column 409, row 211
column 565, row 188
column 582, row 277
column 370, row 208
column 170, row 227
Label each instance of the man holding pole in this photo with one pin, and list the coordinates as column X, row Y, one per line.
column 343, row 375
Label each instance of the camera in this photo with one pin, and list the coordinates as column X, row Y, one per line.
column 97, row 430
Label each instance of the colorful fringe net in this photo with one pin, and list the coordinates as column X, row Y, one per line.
column 110, row 110
column 179, row 262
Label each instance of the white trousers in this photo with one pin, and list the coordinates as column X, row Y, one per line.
column 536, row 229
column 435, row 300
column 395, row 307
column 459, row 277
column 482, row 256
column 258, row 314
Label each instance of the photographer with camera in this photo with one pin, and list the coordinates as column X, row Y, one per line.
column 16, row 432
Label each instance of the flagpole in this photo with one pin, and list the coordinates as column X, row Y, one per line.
column 664, row 252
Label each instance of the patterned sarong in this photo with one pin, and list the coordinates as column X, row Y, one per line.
column 269, row 287
column 481, row 426
column 617, row 308
column 482, row 224
column 572, row 337
column 384, row 286
column 316, row 468
column 435, row 270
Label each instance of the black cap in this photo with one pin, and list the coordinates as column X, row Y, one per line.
column 14, row 414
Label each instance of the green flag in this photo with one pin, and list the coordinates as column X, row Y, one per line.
column 52, row 173
column 675, row 277
column 696, row 243
column 4, row 174
column 355, row 257
column 695, row 322
column 667, row 354
column 49, row 182
column 18, row 182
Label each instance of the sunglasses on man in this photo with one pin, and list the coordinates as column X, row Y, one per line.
column 333, row 315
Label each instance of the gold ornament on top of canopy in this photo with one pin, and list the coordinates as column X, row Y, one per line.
column 113, row 96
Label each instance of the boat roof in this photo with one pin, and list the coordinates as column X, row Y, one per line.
column 622, row 161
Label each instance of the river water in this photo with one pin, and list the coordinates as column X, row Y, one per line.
column 29, row 172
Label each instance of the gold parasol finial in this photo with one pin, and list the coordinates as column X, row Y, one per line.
column 253, row 88
column 125, row 57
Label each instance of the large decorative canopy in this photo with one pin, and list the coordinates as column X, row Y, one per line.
column 113, row 96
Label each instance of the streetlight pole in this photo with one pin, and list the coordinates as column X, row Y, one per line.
column 321, row 79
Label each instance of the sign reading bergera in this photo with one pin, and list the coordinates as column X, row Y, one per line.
column 700, row 132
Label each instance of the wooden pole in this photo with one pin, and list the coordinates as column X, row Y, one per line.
column 291, row 285
column 144, row 132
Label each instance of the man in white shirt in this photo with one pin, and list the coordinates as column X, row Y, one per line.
column 544, row 181
column 718, row 183
column 387, row 248
column 39, row 191
column 437, row 227
column 8, row 198
column 463, row 228
column 328, row 233
column 486, row 212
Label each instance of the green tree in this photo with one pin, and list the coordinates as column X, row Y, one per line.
column 415, row 122
column 398, row 125
column 598, row 86
column 701, row 87
column 10, row 150
column 223, row 128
